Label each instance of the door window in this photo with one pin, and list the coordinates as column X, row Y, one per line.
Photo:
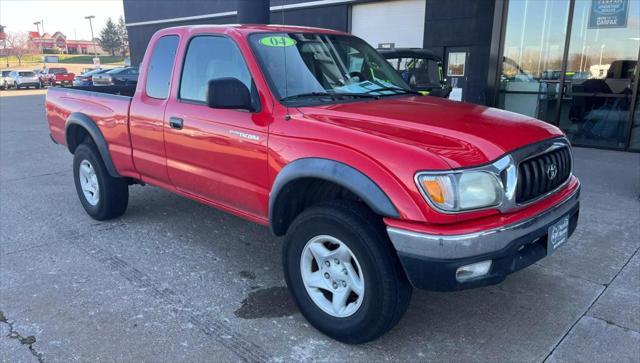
column 160, row 67
column 208, row 58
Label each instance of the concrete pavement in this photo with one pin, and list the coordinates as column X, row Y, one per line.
column 173, row 280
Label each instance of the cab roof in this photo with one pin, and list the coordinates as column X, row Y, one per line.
column 251, row 28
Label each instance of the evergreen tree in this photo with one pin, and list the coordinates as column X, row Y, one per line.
column 124, row 36
column 109, row 38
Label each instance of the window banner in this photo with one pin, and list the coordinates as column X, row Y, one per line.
column 608, row 14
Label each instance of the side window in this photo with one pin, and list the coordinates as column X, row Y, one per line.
column 211, row 57
column 160, row 66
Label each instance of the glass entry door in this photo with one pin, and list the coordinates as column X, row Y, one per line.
column 601, row 69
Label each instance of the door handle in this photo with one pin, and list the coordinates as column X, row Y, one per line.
column 176, row 123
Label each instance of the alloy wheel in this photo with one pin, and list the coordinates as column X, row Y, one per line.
column 332, row 276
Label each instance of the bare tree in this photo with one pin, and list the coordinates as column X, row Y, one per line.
column 18, row 45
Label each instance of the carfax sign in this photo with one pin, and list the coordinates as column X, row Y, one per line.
column 608, row 14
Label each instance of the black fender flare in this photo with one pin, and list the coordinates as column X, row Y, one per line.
column 84, row 121
column 332, row 171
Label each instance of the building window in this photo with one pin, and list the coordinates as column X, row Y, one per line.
column 599, row 69
column 532, row 57
column 603, row 52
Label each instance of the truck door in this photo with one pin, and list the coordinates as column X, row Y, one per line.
column 218, row 155
column 146, row 115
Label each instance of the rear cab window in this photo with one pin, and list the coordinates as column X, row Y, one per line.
column 161, row 67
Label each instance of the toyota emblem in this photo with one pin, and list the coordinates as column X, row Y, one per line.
column 552, row 171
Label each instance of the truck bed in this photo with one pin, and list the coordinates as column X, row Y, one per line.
column 107, row 107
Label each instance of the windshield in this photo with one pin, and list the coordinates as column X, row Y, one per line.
column 115, row 71
column 57, row 70
column 5, row 73
column 419, row 72
column 26, row 74
column 94, row 72
column 320, row 65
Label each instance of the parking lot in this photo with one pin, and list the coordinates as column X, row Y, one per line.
column 173, row 280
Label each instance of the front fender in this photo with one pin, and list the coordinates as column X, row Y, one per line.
column 332, row 171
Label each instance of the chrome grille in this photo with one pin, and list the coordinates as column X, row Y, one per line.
column 542, row 174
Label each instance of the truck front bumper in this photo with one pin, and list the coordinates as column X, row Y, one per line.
column 431, row 261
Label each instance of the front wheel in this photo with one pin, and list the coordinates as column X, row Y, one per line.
column 344, row 273
column 102, row 196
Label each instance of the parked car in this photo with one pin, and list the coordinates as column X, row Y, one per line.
column 24, row 79
column 5, row 80
column 375, row 188
column 420, row 68
column 57, row 76
column 86, row 79
column 117, row 77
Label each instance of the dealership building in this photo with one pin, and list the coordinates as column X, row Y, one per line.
column 572, row 63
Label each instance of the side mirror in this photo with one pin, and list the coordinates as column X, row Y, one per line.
column 228, row 93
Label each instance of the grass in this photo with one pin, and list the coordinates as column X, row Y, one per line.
column 88, row 59
column 62, row 59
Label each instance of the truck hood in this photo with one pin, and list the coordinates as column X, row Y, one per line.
column 462, row 134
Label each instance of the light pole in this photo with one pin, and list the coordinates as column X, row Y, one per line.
column 93, row 41
column 95, row 53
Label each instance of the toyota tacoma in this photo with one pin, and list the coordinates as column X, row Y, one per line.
column 376, row 189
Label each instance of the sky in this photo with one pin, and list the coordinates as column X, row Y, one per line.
column 66, row 16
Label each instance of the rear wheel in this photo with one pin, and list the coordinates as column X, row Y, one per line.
column 102, row 196
column 344, row 273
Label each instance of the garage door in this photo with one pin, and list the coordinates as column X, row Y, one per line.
column 400, row 22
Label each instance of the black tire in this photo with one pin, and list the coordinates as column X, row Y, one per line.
column 387, row 291
column 113, row 192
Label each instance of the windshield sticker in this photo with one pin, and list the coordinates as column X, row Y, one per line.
column 277, row 41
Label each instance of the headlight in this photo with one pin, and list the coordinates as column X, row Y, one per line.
column 461, row 191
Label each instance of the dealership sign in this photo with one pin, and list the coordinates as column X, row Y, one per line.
column 608, row 14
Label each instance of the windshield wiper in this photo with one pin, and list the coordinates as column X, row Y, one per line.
column 307, row 95
column 395, row 89
column 333, row 95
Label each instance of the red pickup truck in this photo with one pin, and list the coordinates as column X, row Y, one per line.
column 56, row 76
column 376, row 189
